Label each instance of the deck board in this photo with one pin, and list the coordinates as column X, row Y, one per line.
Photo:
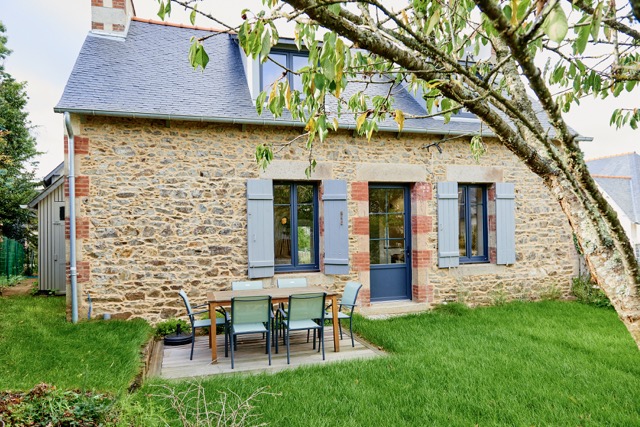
column 250, row 356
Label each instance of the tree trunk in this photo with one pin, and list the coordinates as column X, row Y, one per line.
column 558, row 162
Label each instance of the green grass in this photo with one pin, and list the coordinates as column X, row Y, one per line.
column 521, row 364
column 38, row 345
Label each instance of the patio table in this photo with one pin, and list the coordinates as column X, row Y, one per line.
column 278, row 295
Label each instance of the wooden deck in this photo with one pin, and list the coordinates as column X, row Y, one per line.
column 173, row 362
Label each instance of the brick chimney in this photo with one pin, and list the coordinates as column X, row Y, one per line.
column 111, row 17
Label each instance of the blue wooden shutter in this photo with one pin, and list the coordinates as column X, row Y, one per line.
column 505, row 223
column 336, row 227
column 260, row 227
column 448, row 225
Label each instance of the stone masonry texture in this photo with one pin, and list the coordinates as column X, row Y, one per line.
column 163, row 208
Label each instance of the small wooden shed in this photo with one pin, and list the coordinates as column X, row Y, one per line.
column 50, row 204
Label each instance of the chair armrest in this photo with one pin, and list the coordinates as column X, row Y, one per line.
column 199, row 312
column 200, row 305
column 282, row 312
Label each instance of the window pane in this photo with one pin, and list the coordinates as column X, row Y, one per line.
column 298, row 62
column 376, row 200
column 282, row 238
column 378, row 253
column 395, row 200
column 306, row 253
column 396, row 226
column 281, row 194
column 477, row 222
column 462, row 237
column 396, row 251
column 376, row 226
column 305, row 193
column 270, row 71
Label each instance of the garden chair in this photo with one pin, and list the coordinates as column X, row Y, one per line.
column 303, row 311
column 200, row 323
column 348, row 301
column 248, row 285
column 249, row 315
column 296, row 282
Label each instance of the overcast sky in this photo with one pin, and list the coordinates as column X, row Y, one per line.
column 46, row 36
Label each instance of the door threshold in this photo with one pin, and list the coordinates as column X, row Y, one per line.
column 393, row 308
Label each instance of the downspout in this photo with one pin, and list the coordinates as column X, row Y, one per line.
column 72, row 220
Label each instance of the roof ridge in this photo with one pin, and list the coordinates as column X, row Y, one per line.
column 610, row 176
column 610, row 156
column 173, row 24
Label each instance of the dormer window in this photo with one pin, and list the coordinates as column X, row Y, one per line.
column 270, row 71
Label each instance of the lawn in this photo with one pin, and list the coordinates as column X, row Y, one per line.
column 548, row 363
column 38, row 345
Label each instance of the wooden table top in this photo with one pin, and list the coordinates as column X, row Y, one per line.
column 276, row 293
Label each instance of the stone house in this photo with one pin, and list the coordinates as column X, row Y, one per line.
column 168, row 194
column 618, row 177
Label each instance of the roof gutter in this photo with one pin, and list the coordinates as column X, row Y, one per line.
column 248, row 121
column 72, row 221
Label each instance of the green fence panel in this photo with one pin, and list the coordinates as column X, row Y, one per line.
column 12, row 258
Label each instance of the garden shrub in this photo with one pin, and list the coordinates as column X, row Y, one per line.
column 589, row 293
column 170, row 326
column 47, row 406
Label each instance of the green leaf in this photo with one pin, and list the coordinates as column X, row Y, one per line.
column 192, row 16
column 433, row 20
column 556, row 25
column 162, row 11
column 260, row 102
column 596, row 20
column 583, row 37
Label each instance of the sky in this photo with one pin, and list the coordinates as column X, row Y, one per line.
column 46, row 36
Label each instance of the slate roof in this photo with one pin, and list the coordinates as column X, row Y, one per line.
column 619, row 177
column 147, row 74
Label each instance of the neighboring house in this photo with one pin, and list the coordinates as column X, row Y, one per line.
column 50, row 204
column 618, row 177
column 169, row 195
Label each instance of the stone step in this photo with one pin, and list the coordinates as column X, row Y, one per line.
column 381, row 310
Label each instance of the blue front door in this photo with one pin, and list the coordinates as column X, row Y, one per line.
column 390, row 242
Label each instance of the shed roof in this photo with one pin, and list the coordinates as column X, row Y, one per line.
column 619, row 177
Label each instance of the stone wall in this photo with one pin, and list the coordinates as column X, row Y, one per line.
column 165, row 204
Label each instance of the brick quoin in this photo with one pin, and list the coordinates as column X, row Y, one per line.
column 364, row 297
column 493, row 255
column 117, row 27
column 421, row 191
column 361, row 226
column 421, row 224
column 118, row 4
column 361, row 261
column 81, row 145
column 82, row 186
column 360, row 191
column 82, row 228
column 491, row 193
column 83, row 272
column 492, row 223
column 97, row 26
column 421, row 258
column 419, row 293
column 97, row 3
